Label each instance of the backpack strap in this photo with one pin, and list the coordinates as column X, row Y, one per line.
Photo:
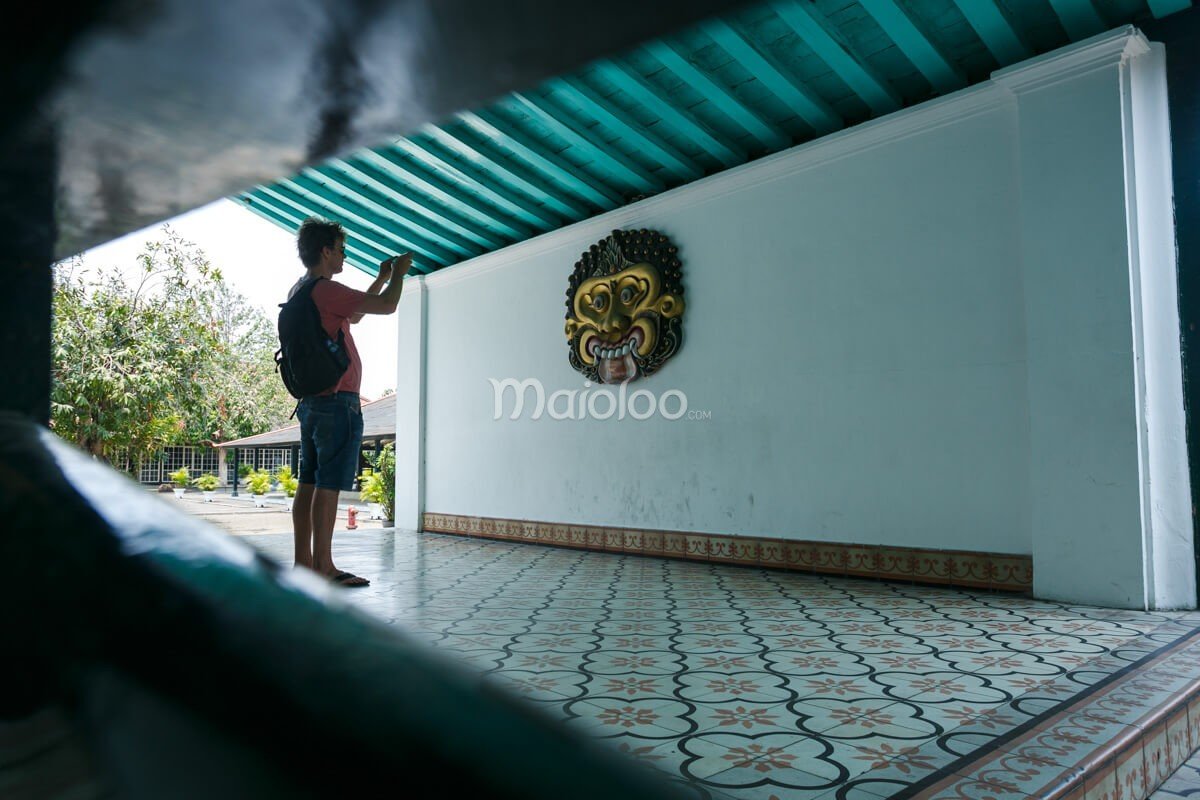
column 307, row 285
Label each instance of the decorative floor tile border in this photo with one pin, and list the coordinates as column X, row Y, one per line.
column 1119, row 740
column 995, row 571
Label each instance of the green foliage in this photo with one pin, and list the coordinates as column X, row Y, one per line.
column 243, row 393
column 284, row 474
column 207, row 483
column 385, row 469
column 244, row 470
column 180, row 477
column 259, row 481
column 370, row 487
column 171, row 356
column 290, row 485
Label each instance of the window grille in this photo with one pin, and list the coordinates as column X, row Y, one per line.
column 199, row 460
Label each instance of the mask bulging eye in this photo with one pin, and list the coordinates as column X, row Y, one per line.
column 599, row 302
column 627, row 295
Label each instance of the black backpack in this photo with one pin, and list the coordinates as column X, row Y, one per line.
column 307, row 359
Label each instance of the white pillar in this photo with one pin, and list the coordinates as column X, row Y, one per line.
column 410, row 405
column 1111, row 506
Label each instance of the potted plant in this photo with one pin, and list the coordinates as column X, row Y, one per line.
column 385, row 472
column 181, row 480
column 371, row 492
column 208, row 485
column 290, row 485
column 259, row 483
column 244, row 471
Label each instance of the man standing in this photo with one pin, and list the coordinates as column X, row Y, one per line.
column 331, row 423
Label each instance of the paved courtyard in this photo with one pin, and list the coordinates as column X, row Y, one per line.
column 239, row 516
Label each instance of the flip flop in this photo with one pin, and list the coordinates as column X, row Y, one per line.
column 349, row 580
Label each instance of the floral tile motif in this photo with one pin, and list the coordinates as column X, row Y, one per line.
column 802, row 664
column 707, row 643
column 726, row 663
column 476, row 627
column 837, row 687
column 656, row 718
column 862, row 722
column 960, row 716
column 722, row 687
column 544, row 662
column 814, row 686
column 895, row 767
column 552, row 686
column 882, row 644
column 785, row 760
column 742, row 717
column 626, row 662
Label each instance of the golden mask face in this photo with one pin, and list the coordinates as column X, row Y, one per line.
column 624, row 316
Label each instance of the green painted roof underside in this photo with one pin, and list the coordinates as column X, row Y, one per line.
column 673, row 110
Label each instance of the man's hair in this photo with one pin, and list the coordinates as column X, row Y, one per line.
column 315, row 235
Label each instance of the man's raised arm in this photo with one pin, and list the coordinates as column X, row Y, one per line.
column 386, row 301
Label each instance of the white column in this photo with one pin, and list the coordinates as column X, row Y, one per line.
column 410, row 405
column 1167, row 500
column 1111, row 507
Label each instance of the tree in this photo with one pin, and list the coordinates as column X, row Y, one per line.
column 243, row 393
column 177, row 358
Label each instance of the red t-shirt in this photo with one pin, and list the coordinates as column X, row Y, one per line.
column 337, row 303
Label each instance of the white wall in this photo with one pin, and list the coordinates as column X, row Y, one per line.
column 876, row 322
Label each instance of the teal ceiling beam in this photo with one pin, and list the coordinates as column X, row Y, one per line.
column 808, row 105
column 493, row 191
column 996, row 29
column 381, row 200
column 682, row 122
column 620, row 123
column 360, row 255
column 1161, row 8
column 400, row 197
column 720, row 96
column 472, row 215
column 297, row 211
column 1078, row 17
column 512, row 174
column 615, row 164
column 283, row 198
column 314, row 195
column 352, row 209
column 823, row 39
column 360, row 259
column 918, row 47
column 549, row 164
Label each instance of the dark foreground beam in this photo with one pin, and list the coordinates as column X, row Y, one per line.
column 164, row 109
column 27, row 214
column 182, row 664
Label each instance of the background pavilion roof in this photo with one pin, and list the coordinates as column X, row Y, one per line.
column 379, row 422
column 713, row 96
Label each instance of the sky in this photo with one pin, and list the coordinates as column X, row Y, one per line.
column 259, row 260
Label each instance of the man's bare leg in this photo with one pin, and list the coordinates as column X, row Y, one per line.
column 324, row 514
column 323, row 517
column 302, row 524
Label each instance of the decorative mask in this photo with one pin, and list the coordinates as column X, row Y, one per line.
column 625, row 307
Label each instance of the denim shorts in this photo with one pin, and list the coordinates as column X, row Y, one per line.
column 331, row 427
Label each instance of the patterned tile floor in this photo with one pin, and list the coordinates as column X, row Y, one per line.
column 743, row 683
